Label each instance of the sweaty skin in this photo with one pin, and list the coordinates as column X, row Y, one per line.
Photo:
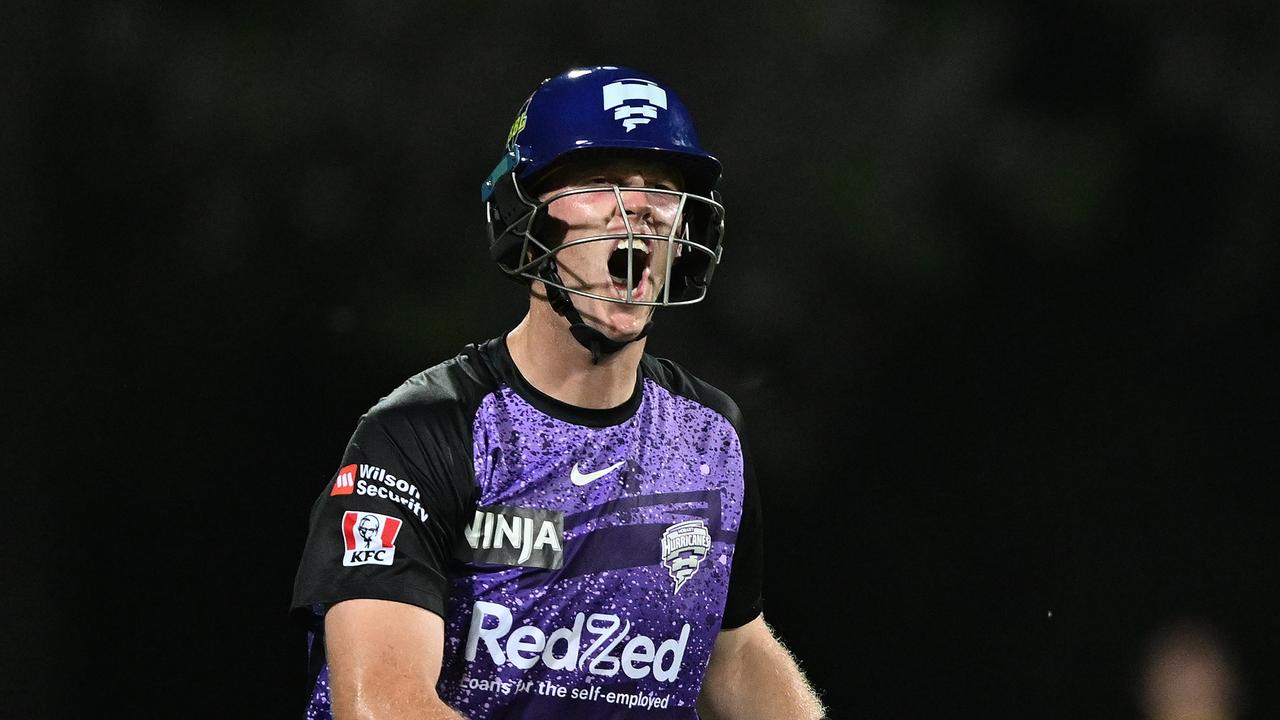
column 751, row 676
column 384, row 659
column 586, row 266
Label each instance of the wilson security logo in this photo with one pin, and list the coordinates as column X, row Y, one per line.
column 345, row 482
column 505, row 535
column 373, row 481
column 369, row 538
column 634, row 102
column 684, row 546
column 599, row 643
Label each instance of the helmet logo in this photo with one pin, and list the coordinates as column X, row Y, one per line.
column 521, row 118
column 516, row 127
column 634, row 102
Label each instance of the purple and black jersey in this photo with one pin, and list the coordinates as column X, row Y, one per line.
column 583, row 560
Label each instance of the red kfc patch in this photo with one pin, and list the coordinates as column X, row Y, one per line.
column 370, row 538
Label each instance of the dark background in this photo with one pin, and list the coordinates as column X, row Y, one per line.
column 998, row 301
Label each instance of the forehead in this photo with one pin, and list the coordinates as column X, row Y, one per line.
column 587, row 166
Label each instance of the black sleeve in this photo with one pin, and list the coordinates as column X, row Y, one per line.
column 383, row 527
column 745, row 601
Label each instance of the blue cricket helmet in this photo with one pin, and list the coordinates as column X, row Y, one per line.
column 603, row 108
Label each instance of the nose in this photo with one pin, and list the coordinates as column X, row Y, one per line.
column 638, row 208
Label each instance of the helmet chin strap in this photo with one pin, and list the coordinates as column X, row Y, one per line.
column 588, row 337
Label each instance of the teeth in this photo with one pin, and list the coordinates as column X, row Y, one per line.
column 633, row 244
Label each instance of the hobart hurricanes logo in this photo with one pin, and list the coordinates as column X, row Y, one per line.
column 684, row 545
column 635, row 102
column 599, row 643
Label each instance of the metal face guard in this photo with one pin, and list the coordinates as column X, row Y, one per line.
column 672, row 222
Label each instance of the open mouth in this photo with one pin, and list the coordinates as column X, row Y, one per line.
column 632, row 254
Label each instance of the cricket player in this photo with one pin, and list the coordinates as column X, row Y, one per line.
column 554, row 524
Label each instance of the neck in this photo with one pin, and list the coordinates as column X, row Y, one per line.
column 554, row 363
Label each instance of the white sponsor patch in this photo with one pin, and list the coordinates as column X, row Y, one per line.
column 506, row 535
column 634, row 102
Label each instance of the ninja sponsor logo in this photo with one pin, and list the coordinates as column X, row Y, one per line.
column 599, row 643
column 631, row 98
column 503, row 535
column 369, row 538
column 684, row 545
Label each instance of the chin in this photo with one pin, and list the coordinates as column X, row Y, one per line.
column 626, row 324
column 616, row 321
column 626, row 332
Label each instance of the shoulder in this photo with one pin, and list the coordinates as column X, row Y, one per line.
column 449, row 391
column 682, row 383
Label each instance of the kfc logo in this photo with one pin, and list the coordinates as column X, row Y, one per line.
column 369, row 538
column 345, row 482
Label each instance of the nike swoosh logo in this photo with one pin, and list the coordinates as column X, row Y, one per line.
column 580, row 478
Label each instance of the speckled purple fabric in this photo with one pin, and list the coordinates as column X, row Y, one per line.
column 319, row 707
column 624, row 628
